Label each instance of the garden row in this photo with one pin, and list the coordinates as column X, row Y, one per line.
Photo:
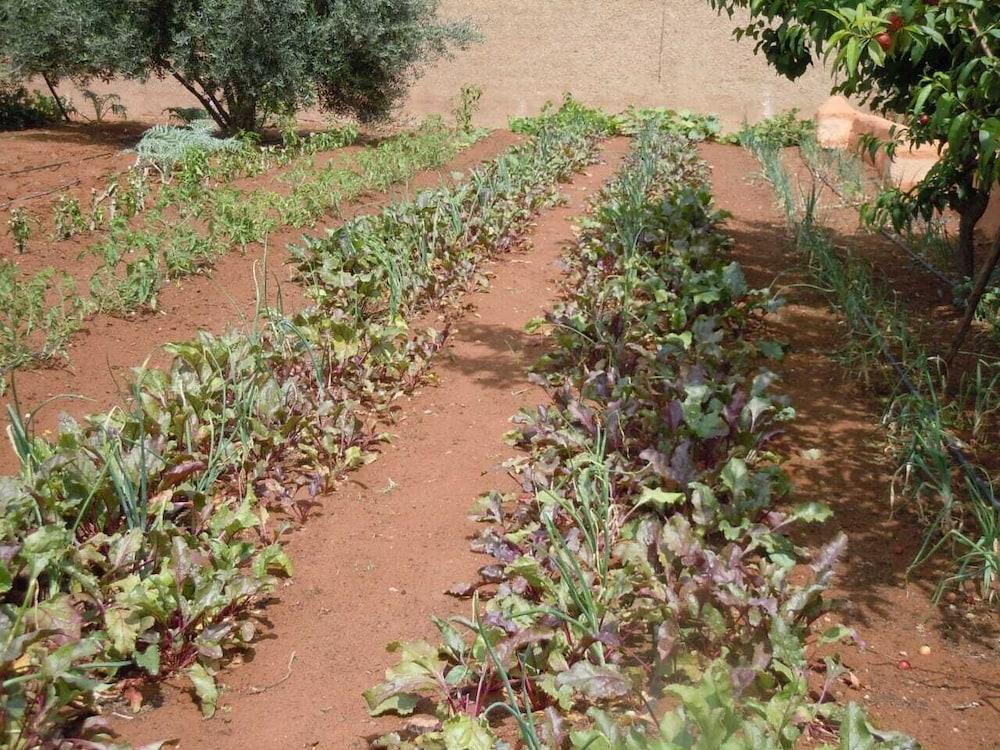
column 640, row 591
column 142, row 542
column 937, row 430
column 197, row 216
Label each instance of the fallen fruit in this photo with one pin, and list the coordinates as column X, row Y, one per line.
column 951, row 597
column 925, row 650
column 884, row 40
column 903, row 664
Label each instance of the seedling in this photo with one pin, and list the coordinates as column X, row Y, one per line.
column 68, row 217
column 19, row 225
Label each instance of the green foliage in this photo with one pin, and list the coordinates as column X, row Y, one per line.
column 142, row 541
column 568, row 112
column 466, row 106
column 68, row 217
column 20, row 108
column 781, row 131
column 164, row 146
column 644, row 556
column 104, row 104
column 19, row 226
column 959, row 510
column 693, row 126
column 244, row 61
column 934, row 64
column 38, row 314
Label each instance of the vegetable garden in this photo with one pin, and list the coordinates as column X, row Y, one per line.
column 659, row 562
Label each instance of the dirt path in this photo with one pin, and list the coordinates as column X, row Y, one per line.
column 373, row 564
column 950, row 698
column 102, row 354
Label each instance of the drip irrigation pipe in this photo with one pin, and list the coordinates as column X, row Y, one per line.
column 957, row 454
column 929, row 267
column 57, row 164
column 32, row 196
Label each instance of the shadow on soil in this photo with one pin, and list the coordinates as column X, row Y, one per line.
column 839, row 415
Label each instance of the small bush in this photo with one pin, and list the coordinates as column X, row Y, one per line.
column 20, row 108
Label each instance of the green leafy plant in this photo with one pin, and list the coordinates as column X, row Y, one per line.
column 68, row 217
column 781, row 131
column 466, row 106
column 105, row 104
column 144, row 539
column 38, row 314
column 696, row 127
column 19, row 225
column 163, row 146
column 21, row 108
column 644, row 556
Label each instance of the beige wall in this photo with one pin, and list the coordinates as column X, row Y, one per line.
column 606, row 53
column 609, row 54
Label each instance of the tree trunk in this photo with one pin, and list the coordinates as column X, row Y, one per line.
column 970, row 212
column 243, row 115
column 978, row 289
column 59, row 104
column 218, row 114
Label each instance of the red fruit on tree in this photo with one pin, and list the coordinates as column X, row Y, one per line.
column 925, row 119
column 932, row 3
column 895, row 22
column 884, row 40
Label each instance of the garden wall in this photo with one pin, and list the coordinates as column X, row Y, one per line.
column 676, row 53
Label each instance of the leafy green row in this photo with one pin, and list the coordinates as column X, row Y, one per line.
column 141, row 542
column 690, row 125
column 194, row 222
column 644, row 561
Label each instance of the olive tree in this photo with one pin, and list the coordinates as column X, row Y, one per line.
column 243, row 60
column 931, row 63
column 51, row 39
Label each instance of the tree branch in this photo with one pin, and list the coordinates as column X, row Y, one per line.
column 220, row 117
column 980, row 37
column 52, row 90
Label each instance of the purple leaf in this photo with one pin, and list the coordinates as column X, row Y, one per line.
column 593, row 681
column 462, row 590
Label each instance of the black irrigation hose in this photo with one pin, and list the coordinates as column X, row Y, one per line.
column 929, row 267
column 957, row 454
column 920, row 260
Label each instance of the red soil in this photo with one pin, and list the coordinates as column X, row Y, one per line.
column 373, row 562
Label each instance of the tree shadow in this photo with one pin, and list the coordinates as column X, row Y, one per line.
column 839, row 414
